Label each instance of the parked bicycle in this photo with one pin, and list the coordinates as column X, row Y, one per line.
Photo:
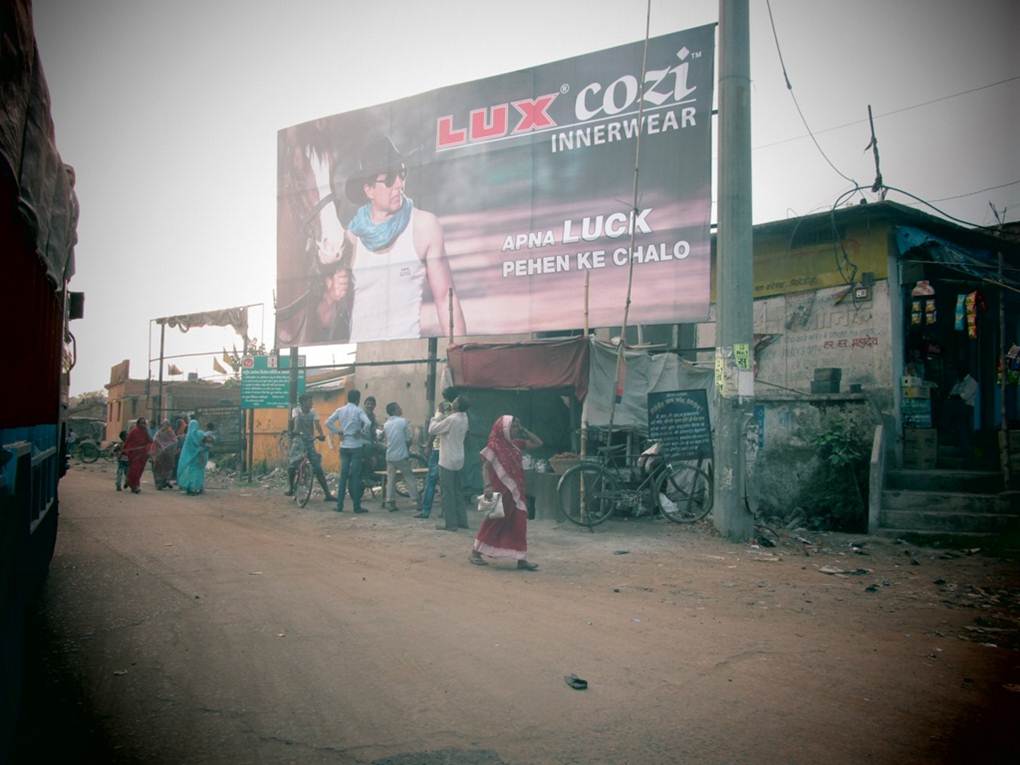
column 89, row 451
column 591, row 491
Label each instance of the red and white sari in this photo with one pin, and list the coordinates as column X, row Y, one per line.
column 505, row 537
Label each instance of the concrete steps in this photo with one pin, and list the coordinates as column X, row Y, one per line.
column 973, row 481
column 951, row 521
column 949, row 507
column 957, row 540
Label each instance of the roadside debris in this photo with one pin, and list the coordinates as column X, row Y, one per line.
column 836, row 571
column 575, row 682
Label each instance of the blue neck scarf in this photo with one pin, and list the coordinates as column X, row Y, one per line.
column 378, row 236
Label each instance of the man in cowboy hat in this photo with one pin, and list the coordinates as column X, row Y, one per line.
column 393, row 249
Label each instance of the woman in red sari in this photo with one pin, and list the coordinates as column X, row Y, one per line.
column 136, row 449
column 503, row 471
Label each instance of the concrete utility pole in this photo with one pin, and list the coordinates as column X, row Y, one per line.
column 734, row 271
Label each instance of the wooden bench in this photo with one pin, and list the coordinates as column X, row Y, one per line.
column 382, row 474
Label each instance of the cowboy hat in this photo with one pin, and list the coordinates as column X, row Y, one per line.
column 377, row 156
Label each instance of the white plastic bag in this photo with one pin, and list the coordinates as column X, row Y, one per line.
column 492, row 508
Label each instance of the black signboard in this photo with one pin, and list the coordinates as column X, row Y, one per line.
column 678, row 420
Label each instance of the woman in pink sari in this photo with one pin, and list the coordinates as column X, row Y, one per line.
column 503, row 471
column 136, row 449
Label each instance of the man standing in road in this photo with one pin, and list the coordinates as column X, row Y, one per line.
column 398, row 436
column 451, row 430
column 352, row 424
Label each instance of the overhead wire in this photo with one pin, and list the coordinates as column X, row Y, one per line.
column 796, row 103
column 890, row 113
column 978, row 191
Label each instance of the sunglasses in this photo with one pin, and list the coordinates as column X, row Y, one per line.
column 391, row 177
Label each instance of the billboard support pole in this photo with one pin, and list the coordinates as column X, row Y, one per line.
column 734, row 274
column 251, row 445
column 430, row 382
column 294, row 350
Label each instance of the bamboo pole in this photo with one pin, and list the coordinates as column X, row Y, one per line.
column 583, row 449
column 618, row 389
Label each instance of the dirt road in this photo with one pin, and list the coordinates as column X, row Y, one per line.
column 235, row 627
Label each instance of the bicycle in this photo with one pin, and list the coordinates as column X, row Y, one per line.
column 594, row 489
column 88, row 451
column 304, row 473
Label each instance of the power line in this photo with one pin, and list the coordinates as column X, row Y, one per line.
column 890, row 113
column 803, row 119
column 933, row 207
column 979, row 191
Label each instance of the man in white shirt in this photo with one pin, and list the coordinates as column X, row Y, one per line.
column 452, row 429
column 398, row 436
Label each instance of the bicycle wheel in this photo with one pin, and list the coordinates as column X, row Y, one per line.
column 88, row 452
column 683, row 493
column 599, row 489
column 303, row 483
column 417, row 461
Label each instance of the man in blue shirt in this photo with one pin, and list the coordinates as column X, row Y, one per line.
column 353, row 425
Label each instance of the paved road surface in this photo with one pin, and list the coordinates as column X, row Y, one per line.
column 235, row 627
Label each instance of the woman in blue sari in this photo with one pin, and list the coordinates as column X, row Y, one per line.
column 194, row 455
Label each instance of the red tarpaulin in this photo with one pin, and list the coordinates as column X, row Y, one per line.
column 535, row 364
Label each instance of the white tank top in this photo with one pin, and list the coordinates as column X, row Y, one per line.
column 388, row 290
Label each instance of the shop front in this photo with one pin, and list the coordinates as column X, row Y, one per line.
column 961, row 332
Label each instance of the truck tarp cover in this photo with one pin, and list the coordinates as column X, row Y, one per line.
column 28, row 152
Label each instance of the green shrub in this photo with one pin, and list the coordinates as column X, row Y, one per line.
column 835, row 496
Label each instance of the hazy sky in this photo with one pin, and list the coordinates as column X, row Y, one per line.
column 169, row 112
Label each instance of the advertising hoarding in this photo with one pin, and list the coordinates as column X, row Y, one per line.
column 480, row 207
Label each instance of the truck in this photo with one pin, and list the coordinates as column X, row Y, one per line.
column 38, row 225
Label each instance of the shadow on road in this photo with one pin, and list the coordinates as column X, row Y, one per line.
column 57, row 722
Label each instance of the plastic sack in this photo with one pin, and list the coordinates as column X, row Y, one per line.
column 492, row 508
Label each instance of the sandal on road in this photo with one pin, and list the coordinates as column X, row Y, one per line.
column 523, row 565
column 478, row 561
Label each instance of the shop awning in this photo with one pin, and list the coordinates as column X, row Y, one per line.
column 534, row 364
column 982, row 264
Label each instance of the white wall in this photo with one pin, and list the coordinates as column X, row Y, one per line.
column 813, row 331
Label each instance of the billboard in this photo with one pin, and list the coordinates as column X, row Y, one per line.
column 481, row 207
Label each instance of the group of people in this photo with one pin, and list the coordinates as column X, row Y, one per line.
column 502, row 458
column 177, row 455
column 180, row 455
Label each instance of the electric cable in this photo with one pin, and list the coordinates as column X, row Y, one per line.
column 979, row 191
column 796, row 103
column 933, row 207
column 892, row 112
